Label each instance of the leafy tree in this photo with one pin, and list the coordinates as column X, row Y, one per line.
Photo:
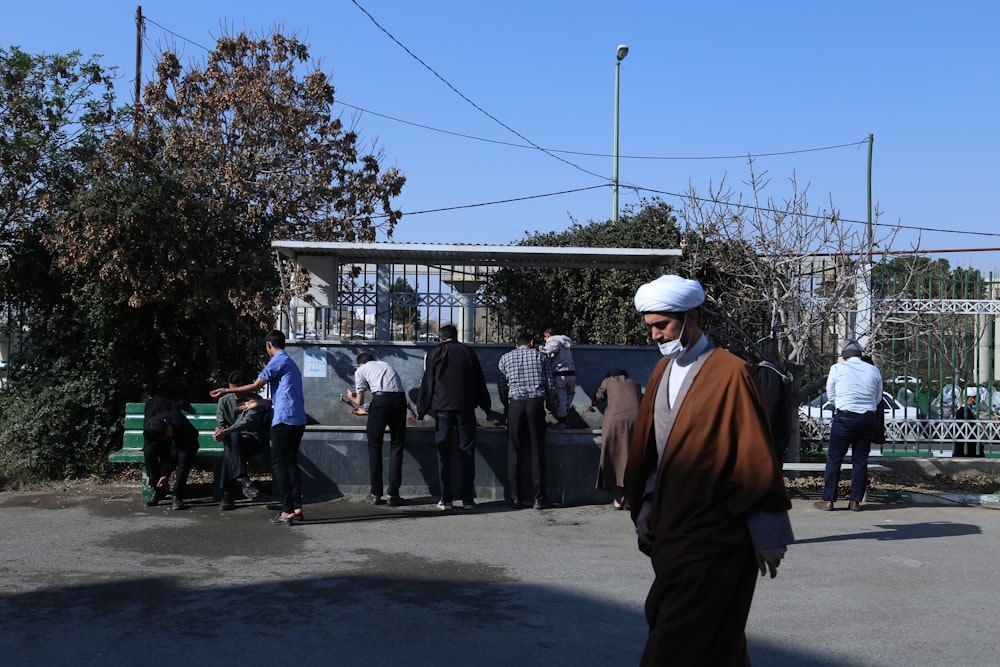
column 592, row 306
column 55, row 111
column 154, row 272
column 405, row 316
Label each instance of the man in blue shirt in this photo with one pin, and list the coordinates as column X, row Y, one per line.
column 284, row 380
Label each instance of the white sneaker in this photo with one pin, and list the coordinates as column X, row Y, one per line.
column 471, row 505
column 442, row 505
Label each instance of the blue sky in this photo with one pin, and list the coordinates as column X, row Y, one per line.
column 702, row 80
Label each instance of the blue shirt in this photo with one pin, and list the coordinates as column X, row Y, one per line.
column 285, row 381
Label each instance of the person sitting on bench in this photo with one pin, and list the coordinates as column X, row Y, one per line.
column 243, row 434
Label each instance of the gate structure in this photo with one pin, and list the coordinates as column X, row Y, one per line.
column 406, row 291
column 937, row 338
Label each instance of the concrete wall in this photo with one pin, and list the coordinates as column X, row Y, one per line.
column 334, row 449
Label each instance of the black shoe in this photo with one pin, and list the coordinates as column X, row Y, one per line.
column 396, row 501
column 226, row 504
column 515, row 503
column 249, row 490
column 279, row 520
column 178, row 504
column 375, row 500
column 542, row 505
column 159, row 493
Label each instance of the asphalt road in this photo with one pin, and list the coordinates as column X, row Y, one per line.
column 91, row 577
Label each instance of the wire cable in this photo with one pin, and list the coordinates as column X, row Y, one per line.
column 603, row 155
column 476, row 106
column 553, row 152
column 178, row 36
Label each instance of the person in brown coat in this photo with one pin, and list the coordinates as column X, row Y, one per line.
column 622, row 395
column 706, row 492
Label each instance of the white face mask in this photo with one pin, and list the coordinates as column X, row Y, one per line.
column 673, row 348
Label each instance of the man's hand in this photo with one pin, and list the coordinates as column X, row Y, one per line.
column 220, row 434
column 643, row 529
column 249, row 404
column 218, row 393
column 770, row 559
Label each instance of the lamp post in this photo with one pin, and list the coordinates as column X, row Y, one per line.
column 622, row 52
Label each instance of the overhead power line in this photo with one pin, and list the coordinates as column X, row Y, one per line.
column 504, row 201
column 177, row 35
column 474, row 105
column 552, row 152
column 742, row 156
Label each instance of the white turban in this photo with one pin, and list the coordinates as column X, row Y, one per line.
column 669, row 294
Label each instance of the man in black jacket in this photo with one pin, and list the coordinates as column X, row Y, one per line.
column 452, row 386
column 170, row 442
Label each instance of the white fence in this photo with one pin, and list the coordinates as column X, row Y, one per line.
column 917, row 436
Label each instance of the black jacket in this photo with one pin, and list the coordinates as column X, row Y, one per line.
column 453, row 380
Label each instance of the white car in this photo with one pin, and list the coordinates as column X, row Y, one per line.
column 821, row 409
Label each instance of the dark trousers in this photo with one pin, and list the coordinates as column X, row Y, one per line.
column 526, row 440
column 464, row 423
column 159, row 461
column 386, row 410
column 854, row 431
column 162, row 459
column 285, row 441
column 237, row 449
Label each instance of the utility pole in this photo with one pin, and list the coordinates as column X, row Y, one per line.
column 139, row 25
column 871, row 240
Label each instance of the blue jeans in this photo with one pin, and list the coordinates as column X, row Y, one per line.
column 849, row 429
column 464, row 422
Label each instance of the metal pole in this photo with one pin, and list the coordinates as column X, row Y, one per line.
column 622, row 52
column 614, row 171
column 871, row 241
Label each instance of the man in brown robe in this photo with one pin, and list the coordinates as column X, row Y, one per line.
column 706, row 492
column 623, row 395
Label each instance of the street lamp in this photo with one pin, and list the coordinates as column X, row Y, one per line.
column 622, row 52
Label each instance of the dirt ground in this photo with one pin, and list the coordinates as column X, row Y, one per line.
column 809, row 484
column 804, row 485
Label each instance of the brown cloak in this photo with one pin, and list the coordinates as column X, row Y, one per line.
column 623, row 396
column 717, row 464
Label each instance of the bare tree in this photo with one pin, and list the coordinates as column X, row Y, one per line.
column 804, row 278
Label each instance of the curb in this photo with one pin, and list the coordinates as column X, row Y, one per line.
column 991, row 500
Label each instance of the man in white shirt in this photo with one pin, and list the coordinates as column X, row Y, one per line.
column 387, row 409
column 854, row 387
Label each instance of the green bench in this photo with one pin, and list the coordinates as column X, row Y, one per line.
column 209, row 451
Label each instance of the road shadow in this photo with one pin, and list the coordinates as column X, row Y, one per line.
column 911, row 531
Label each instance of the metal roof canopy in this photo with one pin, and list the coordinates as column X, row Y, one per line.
column 568, row 257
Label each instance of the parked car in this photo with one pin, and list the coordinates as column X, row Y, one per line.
column 951, row 398
column 821, row 409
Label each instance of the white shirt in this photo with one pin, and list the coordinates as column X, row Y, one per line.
column 376, row 376
column 854, row 385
